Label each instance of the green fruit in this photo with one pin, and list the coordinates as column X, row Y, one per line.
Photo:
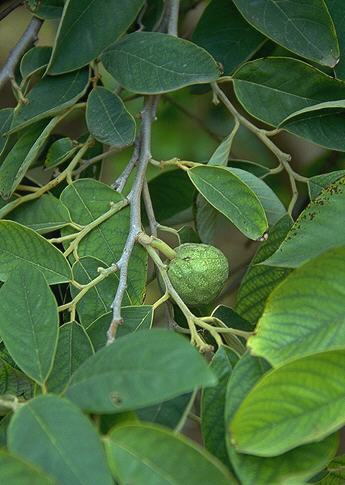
column 198, row 273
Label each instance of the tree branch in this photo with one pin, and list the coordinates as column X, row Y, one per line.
column 29, row 37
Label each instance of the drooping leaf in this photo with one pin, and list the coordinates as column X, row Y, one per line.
column 60, row 151
column 317, row 183
column 153, row 63
column 87, row 200
column 304, row 314
column 19, row 244
column 281, row 96
column 224, row 33
column 35, row 60
column 49, row 97
column 232, row 197
column 151, row 366
column 172, row 196
column 315, row 230
column 97, row 301
column 107, row 20
column 286, row 408
column 23, row 155
column 305, row 28
column 298, row 464
column 29, row 321
column 134, row 318
column 213, row 405
column 43, row 215
column 259, row 281
column 108, row 120
column 14, row 470
column 73, row 347
column 66, row 445
column 141, row 454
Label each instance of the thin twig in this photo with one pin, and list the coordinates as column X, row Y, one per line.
column 12, row 6
column 121, row 180
column 149, row 210
column 27, row 39
column 87, row 163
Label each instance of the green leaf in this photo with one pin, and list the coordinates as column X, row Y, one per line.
column 134, row 318
column 43, row 215
column 335, row 472
column 281, row 96
column 88, row 199
column 317, row 183
column 34, row 60
column 232, row 197
column 305, row 313
column 6, row 116
column 304, row 28
column 206, row 219
column 151, row 366
column 286, row 408
column 153, row 63
column 60, row 151
column 337, row 12
column 224, row 33
column 315, row 230
column 14, row 470
column 23, row 155
column 74, row 346
column 19, row 244
column 108, row 120
column 49, row 9
column 213, row 405
column 108, row 20
column 65, row 445
column 97, row 300
column 167, row 413
column 231, row 318
column 14, row 382
column 141, row 454
column 29, row 321
column 259, row 281
column 49, row 97
column 300, row 463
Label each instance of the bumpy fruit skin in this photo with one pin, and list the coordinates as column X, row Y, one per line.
column 198, row 273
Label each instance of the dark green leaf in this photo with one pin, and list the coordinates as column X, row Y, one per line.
column 226, row 35
column 65, row 445
column 60, row 151
column 108, row 120
column 35, row 60
column 14, row 382
column 305, row 313
column 153, row 63
column 335, row 472
column 134, row 318
column 6, row 116
column 74, row 346
column 49, row 9
column 14, row 470
column 213, row 405
column 50, row 96
column 151, row 366
column 167, row 413
column 319, row 182
column 336, row 9
column 305, row 28
column 29, row 321
column 286, row 408
column 107, row 20
column 259, row 281
column 232, row 197
column 315, row 230
column 43, row 215
column 141, row 454
column 19, row 244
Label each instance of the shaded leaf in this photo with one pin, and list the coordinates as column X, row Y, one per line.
column 134, row 318
column 305, row 28
column 167, row 413
column 151, row 366
column 317, row 183
column 34, row 60
column 49, row 9
column 142, row 454
column 337, row 12
column 13, row 381
column 66, row 445
column 14, row 470
column 29, row 321
column 107, row 20
column 6, row 115
column 60, row 151
column 73, row 347
column 19, row 244
column 153, row 63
